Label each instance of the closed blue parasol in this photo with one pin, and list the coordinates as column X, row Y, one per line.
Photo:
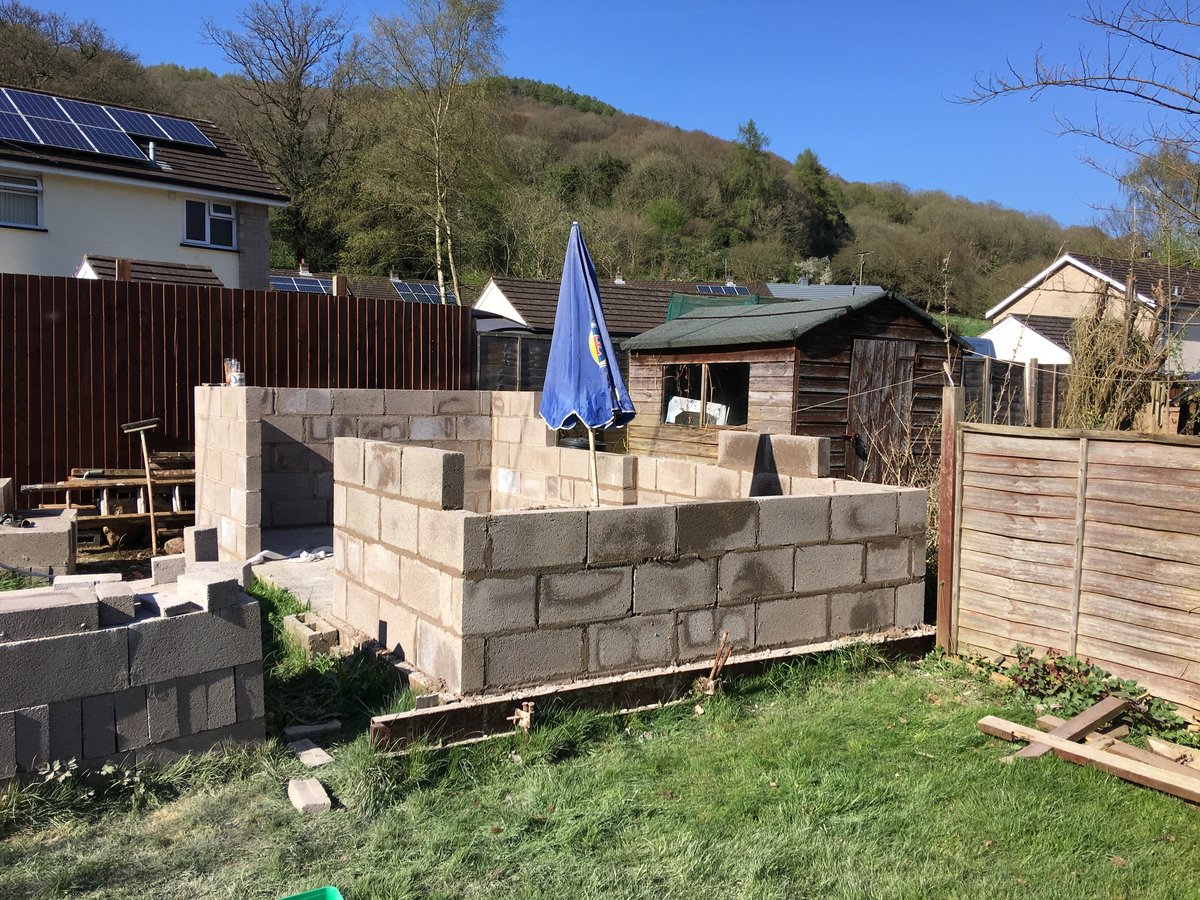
column 583, row 383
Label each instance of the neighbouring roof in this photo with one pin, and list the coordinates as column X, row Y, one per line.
column 773, row 323
column 370, row 287
column 105, row 268
column 630, row 307
column 819, row 291
column 1152, row 280
column 224, row 168
column 1053, row 328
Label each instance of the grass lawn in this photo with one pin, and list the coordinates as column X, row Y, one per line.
column 843, row 777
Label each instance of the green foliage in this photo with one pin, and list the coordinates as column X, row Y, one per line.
column 1069, row 685
column 667, row 214
column 552, row 95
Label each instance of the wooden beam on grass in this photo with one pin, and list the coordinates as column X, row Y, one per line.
column 1184, row 756
column 1049, row 723
column 1078, row 727
column 1178, row 782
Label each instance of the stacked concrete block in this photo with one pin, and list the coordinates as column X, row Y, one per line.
column 47, row 544
column 89, row 677
column 7, row 497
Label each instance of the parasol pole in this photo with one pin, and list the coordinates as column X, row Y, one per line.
column 592, row 466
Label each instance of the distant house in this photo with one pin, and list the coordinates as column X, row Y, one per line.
column 788, row 291
column 1047, row 305
column 79, row 178
column 865, row 371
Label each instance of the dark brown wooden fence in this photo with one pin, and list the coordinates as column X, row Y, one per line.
column 80, row 357
column 1004, row 393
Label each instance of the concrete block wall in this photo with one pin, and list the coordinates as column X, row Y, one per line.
column 148, row 689
column 488, row 602
column 271, row 450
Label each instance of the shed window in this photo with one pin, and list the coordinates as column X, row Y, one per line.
column 699, row 394
column 20, row 200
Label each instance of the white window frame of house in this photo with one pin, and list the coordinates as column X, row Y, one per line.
column 221, row 211
column 14, row 183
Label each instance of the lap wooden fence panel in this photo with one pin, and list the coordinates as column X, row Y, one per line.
column 79, row 357
column 1084, row 542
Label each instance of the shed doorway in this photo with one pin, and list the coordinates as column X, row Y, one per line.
column 879, row 413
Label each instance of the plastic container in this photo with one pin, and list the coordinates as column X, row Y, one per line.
column 324, row 893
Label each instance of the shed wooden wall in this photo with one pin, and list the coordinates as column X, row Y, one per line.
column 772, row 375
column 1084, row 542
column 823, row 376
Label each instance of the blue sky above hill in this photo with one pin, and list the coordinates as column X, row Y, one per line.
column 868, row 86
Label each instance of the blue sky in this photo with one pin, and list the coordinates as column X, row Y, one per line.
column 868, row 85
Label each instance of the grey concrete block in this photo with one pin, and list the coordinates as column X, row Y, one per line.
column 7, row 503
column 823, row 567
column 671, row 584
column 249, row 732
column 583, row 597
column 133, row 720
column 793, row 520
column 737, row 450
column 293, row 513
column 248, row 691
column 85, row 581
column 162, row 711
column 716, row 526
column 208, row 590
column 625, row 534
column 66, row 730
column 534, row 657
column 8, row 744
column 99, row 726
column 308, row 796
column 185, row 645
column 495, row 605
column 382, row 467
column 888, row 560
column 199, row 544
column 222, row 698
column 867, row 515
column 439, row 654
column 63, row 667
column 433, row 476
column 239, row 570
column 191, row 694
column 792, row 621
column 800, row 455
column 26, row 615
column 913, row 510
column 166, row 569
column 873, row 610
column 910, row 604
column 309, row 754
column 303, row 402
column 117, row 603
column 537, row 540
column 348, row 460
column 635, row 643
column 699, row 632
column 752, row 574
column 357, row 402
column 48, row 545
column 32, row 737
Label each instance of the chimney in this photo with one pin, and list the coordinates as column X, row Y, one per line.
column 124, row 269
column 304, row 267
column 152, row 152
column 619, row 279
column 340, row 288
column 804, row 281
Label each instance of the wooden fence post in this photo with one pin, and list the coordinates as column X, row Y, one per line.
column 987, row 400
column 1032, row 376
column 953, row 403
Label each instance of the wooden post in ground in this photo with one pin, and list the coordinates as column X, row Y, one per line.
column 953, row 403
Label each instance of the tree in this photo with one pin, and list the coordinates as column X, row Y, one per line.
column 433, row 62
column 289, row 107
column 826, row 225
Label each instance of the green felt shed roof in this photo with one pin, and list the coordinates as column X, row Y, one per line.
column 769, row 323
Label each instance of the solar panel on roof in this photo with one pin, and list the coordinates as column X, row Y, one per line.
column 183, row 132
column 37, row 105
column 13, row 128
column 723, row 289
column 87, row 113
column 301, row 285
column 138, row 123
column 420, row 291
column 59, row 134
column 6, row 105
column 112, row 142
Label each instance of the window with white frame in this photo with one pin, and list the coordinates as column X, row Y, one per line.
column 210, row 224
column 20, row 200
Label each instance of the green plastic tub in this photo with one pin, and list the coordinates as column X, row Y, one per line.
column 325, row 893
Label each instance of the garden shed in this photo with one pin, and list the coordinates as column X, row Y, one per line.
column 865, row 371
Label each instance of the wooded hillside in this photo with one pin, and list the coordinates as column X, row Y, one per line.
column 655, row 201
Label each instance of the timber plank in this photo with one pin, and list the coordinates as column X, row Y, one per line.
column 1129, row 600
column 1179, row 784
column 1051, row 531
column 1018, row 569
column 990, row 645
column 1022, row 600
column 1137, row 635
column 1111, row 653
column 1131, row 491
column 1096, row 716
column 1012, row 632
column 1016, row 503
column 1176, row 753
column 983, row 541
column 1021, row 466
column 1144, row 474
column 1027, row 447
column 1137, row 515
column 1143, row 541
column 1161, row 572
column 1026, row 484
column 1147, row 454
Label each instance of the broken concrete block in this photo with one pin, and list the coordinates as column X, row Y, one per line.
column 308, row 796
column 199, row 544
column 40, row 613
column 82, row 581
column 117, row 603
column 428, row 701
column 312, row 632
column 309, row 753
column 296, row 732
column 208, row 590
column 166, row 569
column 168, row 603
